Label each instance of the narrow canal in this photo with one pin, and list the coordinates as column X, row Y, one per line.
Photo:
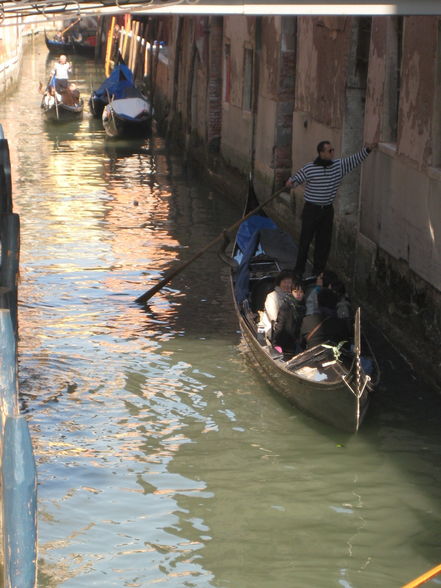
column 162, row 458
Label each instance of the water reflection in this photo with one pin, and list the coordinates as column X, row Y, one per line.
column 162, row 457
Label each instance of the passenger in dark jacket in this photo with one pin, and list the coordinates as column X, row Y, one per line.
column 325, row 326
column 286, row 329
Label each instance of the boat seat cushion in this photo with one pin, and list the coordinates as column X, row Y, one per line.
column 131, row 107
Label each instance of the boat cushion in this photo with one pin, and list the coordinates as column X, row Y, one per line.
column 130, row 107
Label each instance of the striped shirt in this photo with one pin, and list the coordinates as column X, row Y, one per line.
column 322, row 182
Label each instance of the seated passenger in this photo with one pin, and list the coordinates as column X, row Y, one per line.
column 286, row 329
column 71, row 95
column 325, row 326
column 58, row 37
column 51, row 96
column 324, row 280
column 283, row 287
column 344, row 308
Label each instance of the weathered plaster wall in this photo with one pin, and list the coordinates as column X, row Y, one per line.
column 273, row 133
column 237, row 125
column 321, row 73
column 398, row 255
column 401, row 202
column 322, row 46
column 268, row 83
column 417, row 89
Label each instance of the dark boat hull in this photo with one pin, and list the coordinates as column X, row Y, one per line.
column 62, row 112
column 58, row 48
column 117, row 127
column 333, row 404
column 123, row 126
column 84, row 49
column 96, row 106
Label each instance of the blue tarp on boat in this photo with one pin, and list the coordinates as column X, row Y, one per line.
column 117, row 84
column 260, row 235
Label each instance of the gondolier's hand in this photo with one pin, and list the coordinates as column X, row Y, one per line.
column 289, row 183
column 370, row 146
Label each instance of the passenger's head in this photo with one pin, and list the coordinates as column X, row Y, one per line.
column 327, row 299
column 339, row 288
column 284, row 280
column 297, row 289
column 328, row 278
column 325, row 150
column 62, row 59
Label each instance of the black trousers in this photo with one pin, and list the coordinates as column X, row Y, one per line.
column 316, row 223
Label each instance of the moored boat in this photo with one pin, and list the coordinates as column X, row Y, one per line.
column 127, row 117
column 330, row 382
column 113, row 88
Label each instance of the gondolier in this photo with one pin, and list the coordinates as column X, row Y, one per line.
column 322, row 177
column 61, row 71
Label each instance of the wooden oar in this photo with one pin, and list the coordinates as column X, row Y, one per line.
column 174, row 272
column 424, row 577
column 71, row 25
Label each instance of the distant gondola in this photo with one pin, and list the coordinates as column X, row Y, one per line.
column 85, row 47
column 58, row 47
column 326, row 381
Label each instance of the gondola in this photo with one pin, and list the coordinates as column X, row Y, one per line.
column 113, row 87
column 85, row 47
column 57, row 111
column 330, row 383
column 58, row 47
column 130, row 116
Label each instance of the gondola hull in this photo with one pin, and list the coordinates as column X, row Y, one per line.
column 326, row 382
column 62, row 113
column 334, row 404
column 96, row 105
column 119, row 122
column 84, row 49
column 59, row 48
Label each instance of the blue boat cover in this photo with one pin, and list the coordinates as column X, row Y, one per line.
column 117, row 84
column 260, row 235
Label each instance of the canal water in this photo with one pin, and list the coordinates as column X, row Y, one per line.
column 162, row 458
